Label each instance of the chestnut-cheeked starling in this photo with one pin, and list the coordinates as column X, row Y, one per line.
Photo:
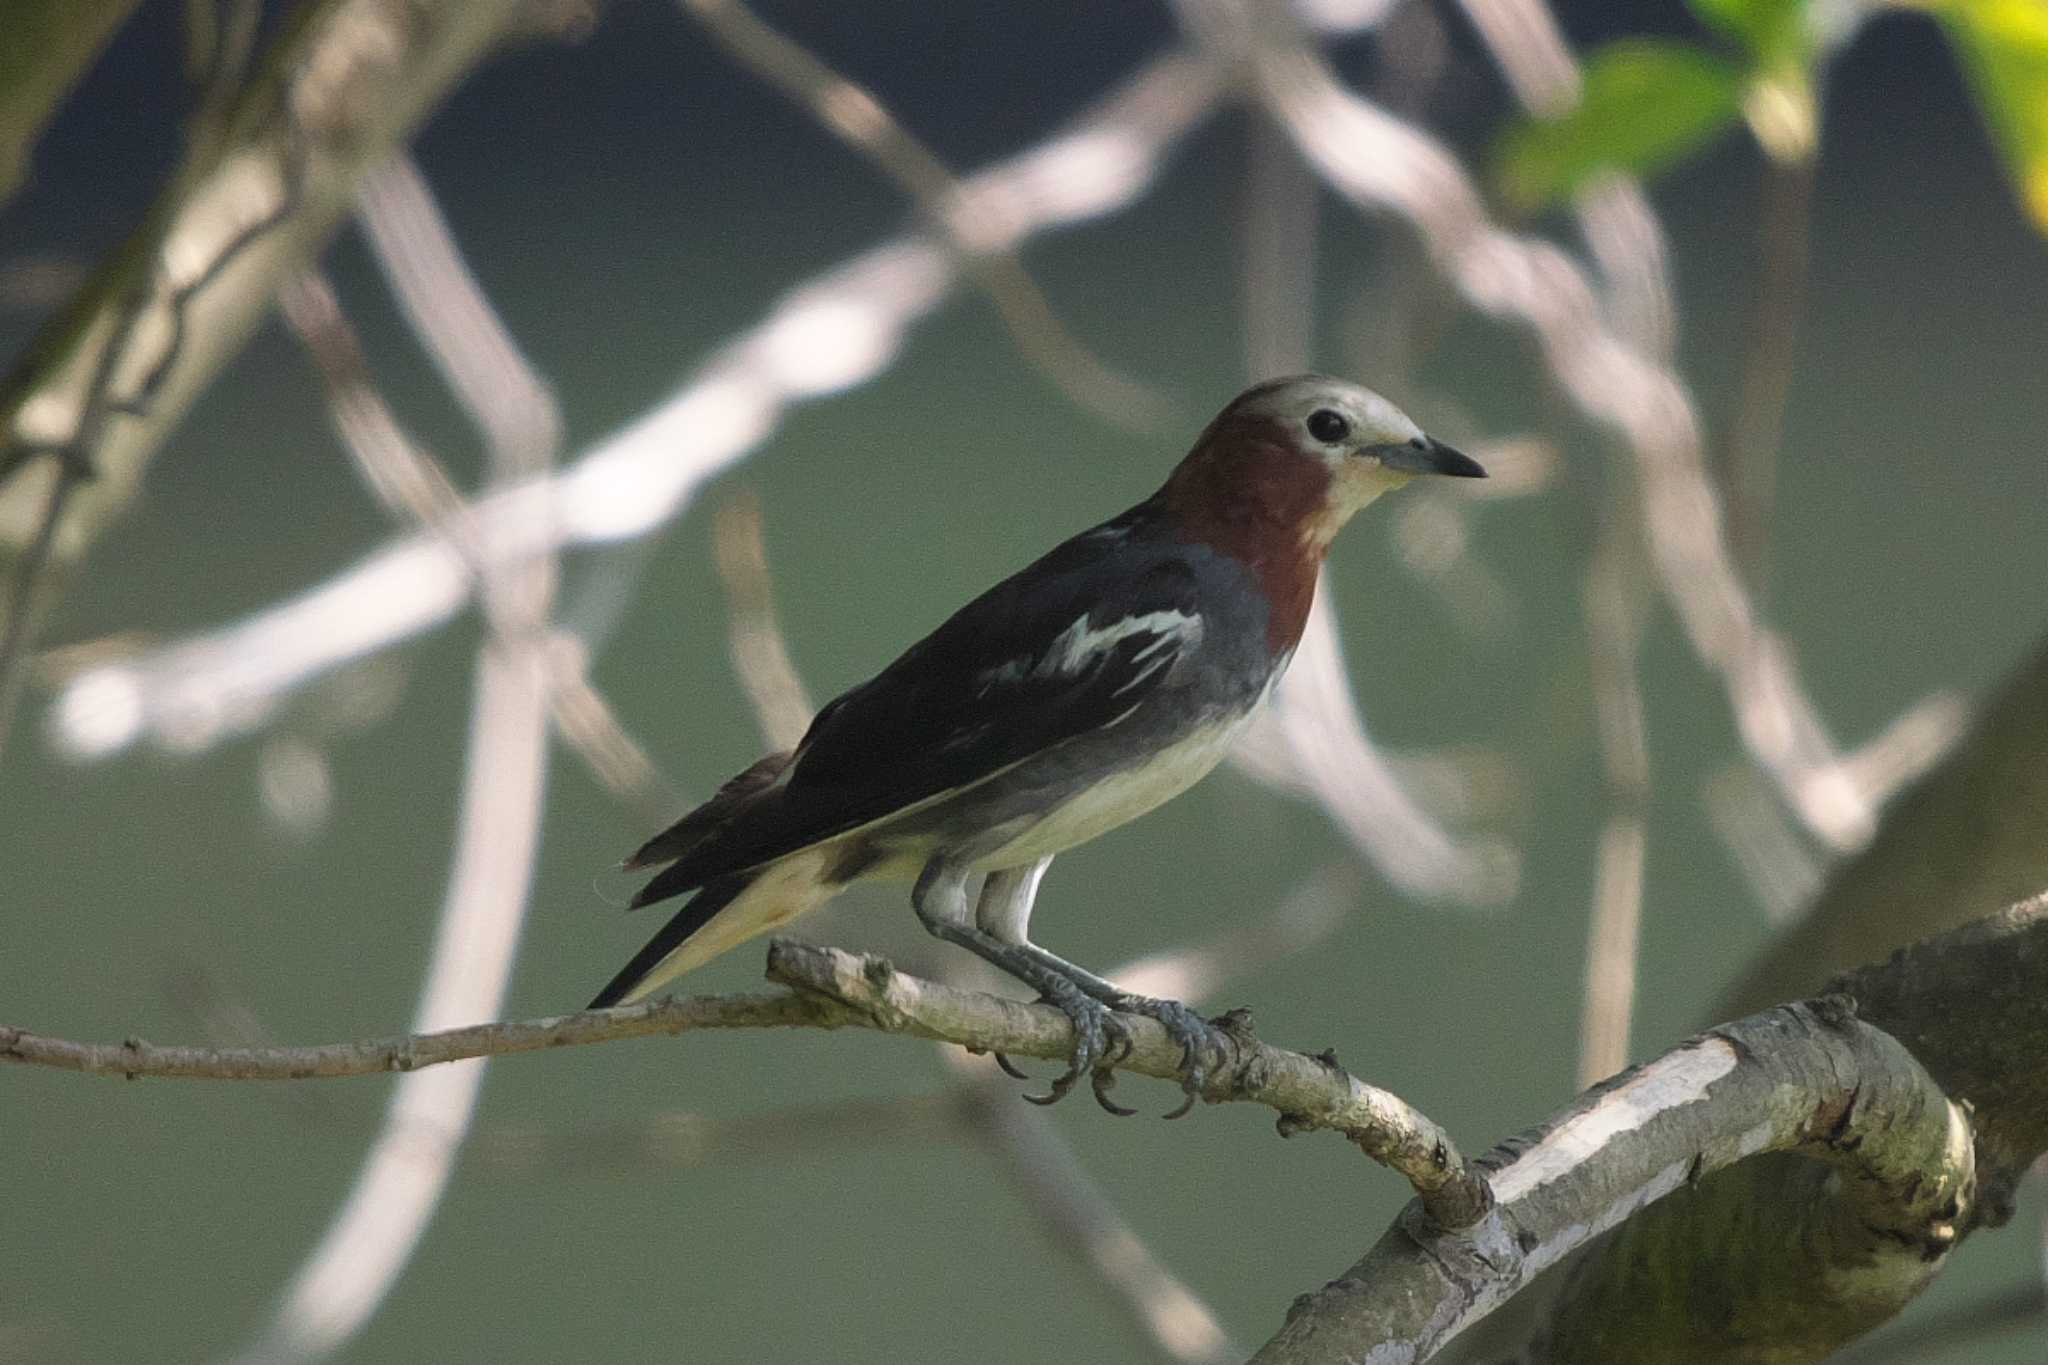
column 1095, row 684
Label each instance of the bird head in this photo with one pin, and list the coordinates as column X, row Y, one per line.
column 1293, row 459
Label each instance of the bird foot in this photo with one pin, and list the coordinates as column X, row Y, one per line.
column 1200, row 1042
column 1100, row 1041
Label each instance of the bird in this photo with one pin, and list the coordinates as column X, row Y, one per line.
column 1101, row 680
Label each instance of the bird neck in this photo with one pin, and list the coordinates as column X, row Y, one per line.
column 1246, row 493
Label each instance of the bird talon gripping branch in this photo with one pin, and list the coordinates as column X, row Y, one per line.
column 1080, row 693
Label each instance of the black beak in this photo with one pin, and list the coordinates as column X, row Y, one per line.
column 1425, row 456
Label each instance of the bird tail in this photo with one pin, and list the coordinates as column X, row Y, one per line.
column 727, row 912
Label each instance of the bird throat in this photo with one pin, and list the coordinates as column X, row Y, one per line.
column 1246, row 492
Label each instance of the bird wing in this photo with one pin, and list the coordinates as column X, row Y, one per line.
column 1068, row 646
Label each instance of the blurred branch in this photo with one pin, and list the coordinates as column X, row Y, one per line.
column 1381, row 163
column 347, row 1275
column 985, row 242
column 413, row 486
column 681, row 1140
column 501, row 392
column 760, row 654
column 497, row 832
column 1613, row 935
column 1615, row 216
column 1779, row 866
column 28, row 592
column 30, row 587
column 1312, row 740
column 1749, row 457
column 839, row 329
column 1968, row 836
column 345, row 82
column 1616, row 600
column 1277, row 287
column 220, row 39
column 834, row 989
column 1081, row 1222
column 50, row 45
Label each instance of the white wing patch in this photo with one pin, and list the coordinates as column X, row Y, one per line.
column 1074, row 648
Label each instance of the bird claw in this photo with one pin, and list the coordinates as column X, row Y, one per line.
column 1100, row 1081
column 1100, row 1042
column 1008, row 1067
column 1199, row 1042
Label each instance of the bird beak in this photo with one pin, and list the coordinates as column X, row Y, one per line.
column 1426, row 456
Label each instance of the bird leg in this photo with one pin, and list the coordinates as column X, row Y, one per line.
column 1004, row 913
column 940, row 899
column 1200, row 1042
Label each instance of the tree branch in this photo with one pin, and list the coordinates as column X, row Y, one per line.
column 833, row 989
column 1801, row 1264
column 1811, row 1079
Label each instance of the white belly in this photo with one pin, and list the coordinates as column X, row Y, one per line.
column 1120, row 797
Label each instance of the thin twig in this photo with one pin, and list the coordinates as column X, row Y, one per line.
column 1616, row 601
column 414, row 487
column 22, row 613
column 343, row 83
column 1749, row 458
column 681, row 1140
column 985, row 240
column 760, row 654
column 834, row 989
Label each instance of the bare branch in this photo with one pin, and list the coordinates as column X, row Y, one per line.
column 27, row 589
column 344, row 84
column 854, row 115
column 136, row 1059
column 1749, row 456
column 1616, row 600
column 760, row 654
column 415, row 487
column 837, row 330
column 1799, row 1078
column 834, row 989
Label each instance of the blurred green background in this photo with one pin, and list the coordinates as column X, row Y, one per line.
column 630, row 200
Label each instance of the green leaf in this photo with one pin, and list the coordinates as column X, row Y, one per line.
column 1774, row 31
column 1645, row 104
column 2004, row 49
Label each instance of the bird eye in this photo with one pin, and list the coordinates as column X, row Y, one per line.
column 1327, row 426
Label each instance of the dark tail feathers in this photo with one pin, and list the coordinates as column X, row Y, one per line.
column 716, row 895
